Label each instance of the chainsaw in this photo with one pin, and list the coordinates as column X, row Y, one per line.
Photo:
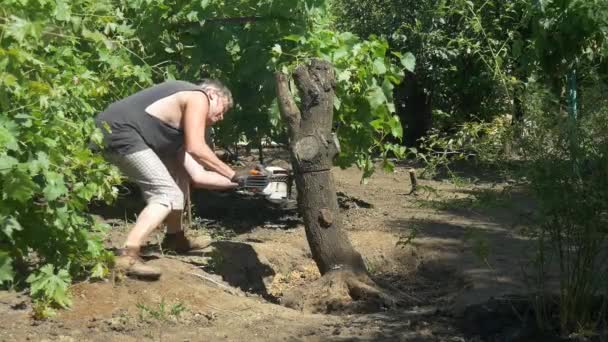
column 272, row 182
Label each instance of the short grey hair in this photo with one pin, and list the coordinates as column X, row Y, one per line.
column 218, row 87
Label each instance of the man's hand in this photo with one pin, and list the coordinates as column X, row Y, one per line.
column 240, row 177
column 261, row 169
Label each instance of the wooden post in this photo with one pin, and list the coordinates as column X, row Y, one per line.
column 413, row 180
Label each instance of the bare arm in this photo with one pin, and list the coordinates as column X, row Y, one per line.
column 196, row 108
column 204, row 179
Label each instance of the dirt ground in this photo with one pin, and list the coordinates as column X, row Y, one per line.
column 448, row 248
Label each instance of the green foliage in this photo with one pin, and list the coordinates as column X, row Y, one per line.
column 365, row 77
column 570, row 184
column 483, row 142
column 564, row 154
column 245, row 42
column 228, row 40
column 60, row 63
column 448, row 75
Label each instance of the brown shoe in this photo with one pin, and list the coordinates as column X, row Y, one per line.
column 129, row 261
column 179, row 243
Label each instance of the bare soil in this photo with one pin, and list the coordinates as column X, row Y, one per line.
column 441, row 251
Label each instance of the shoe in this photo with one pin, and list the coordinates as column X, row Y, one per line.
column 179, row 243
column 129, row 262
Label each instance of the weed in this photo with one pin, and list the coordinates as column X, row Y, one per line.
column 480, row 245
column 161, row 312
column 406, row 240
column 42, row 309
column 216, row 259
column 374, row 265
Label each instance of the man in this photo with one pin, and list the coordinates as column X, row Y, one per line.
column 156, row 137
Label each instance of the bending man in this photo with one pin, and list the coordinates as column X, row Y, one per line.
column 157, row 139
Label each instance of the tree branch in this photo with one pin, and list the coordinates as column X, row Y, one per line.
column 308, row 89
column 287, row 106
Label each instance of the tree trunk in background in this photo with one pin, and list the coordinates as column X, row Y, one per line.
column 414, row 108
column 312, row 149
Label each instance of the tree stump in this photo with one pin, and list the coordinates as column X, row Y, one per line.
column 345, row 284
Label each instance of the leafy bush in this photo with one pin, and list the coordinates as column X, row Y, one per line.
column 482, row 142
column 567, row 169
column 60, row 63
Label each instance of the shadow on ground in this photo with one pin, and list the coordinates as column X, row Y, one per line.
column 239, row 265
column 230, row 210
column 242, row 213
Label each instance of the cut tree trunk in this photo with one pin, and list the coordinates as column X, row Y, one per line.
column 345, row 284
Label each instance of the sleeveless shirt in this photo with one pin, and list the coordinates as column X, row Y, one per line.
column 132, row 129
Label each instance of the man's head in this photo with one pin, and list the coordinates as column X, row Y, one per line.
column 220, row 99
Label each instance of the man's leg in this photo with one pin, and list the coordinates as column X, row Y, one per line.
column 185, row 170
column 175, row 238
column 162, row 195
column 175, row 166
column 174, row 222
column 149, row 219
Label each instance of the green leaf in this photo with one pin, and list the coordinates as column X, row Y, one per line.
column 295, row 38
column 396, row 128
column 344, row 76
column 192, row 16
column 388, row 166
column 7, row 273
column 375, row 97
column 55, row 186
column 409, row 62
column 18, row 28
column 9, row 225
column 377, row 124
column 62, row 11
column 337, row 103
column 7, row 163
column 39, row 164
column 7, row 139
column 276, row 49
column 99, row 271
column 340, row 53
column 88, row 191
column 48, row 285
column 19, row 186
column 378, row 66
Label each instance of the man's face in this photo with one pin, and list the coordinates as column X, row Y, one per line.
column 217, row 109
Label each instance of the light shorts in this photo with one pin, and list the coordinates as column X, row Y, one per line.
column 162, row 181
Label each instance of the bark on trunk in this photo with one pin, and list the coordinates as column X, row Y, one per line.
column 312, row 149
column 345, row 284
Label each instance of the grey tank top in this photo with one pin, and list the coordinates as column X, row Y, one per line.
column 134, row 130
